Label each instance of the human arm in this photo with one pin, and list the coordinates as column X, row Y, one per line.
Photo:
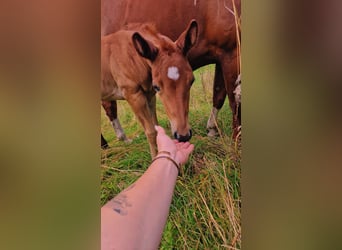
column 135, row 218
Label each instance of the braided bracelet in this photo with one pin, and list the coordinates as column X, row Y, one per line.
column 169, row 158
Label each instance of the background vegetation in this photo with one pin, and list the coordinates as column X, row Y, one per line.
column 206, row 208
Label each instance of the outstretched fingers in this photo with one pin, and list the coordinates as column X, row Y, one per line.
column 160, row 130
column 179, row 150
column 184, row 149
column 188, row 147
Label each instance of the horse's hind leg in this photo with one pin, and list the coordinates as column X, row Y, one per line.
column 230, row 74
column 104, row 143
column 219, row 96
column 237, row 95
column 111, row 111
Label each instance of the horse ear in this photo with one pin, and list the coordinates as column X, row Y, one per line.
column 188, row 38
column 144, row 47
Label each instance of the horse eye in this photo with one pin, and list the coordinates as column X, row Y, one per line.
column 156, row 88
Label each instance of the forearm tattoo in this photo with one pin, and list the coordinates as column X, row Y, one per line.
column 120, row 202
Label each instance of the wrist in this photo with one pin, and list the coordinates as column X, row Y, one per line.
column 166, row 156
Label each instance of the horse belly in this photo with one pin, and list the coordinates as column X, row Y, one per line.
column 116, row 94
column 111, row 91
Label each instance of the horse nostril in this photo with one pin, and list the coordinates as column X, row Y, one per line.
column 183, row 138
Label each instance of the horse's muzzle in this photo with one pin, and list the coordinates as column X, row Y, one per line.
column 183, row 138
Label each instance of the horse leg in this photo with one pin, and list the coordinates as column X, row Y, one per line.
column 152, row 100
column 237, row 95
column 104, row 143
column 230, row 74
column 140, row 105
column 219, row 96
column 111, row 111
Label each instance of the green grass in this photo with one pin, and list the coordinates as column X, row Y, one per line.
column 205, row 210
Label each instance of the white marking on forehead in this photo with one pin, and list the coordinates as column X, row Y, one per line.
column 173, row 73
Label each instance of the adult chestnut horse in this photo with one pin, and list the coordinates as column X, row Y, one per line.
column 138, row 62
column 217, row 41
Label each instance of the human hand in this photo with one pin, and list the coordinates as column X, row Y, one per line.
column 179, row 151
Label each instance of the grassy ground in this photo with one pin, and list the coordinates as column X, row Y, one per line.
column 205, row 212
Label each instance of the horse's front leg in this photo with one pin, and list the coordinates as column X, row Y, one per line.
column 140, row 105
column 152, row 100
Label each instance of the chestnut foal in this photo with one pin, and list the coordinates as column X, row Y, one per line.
column 139, row 62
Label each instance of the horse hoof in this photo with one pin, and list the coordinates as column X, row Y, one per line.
column 212, row 132
column 128, row 140
column 122, row 137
